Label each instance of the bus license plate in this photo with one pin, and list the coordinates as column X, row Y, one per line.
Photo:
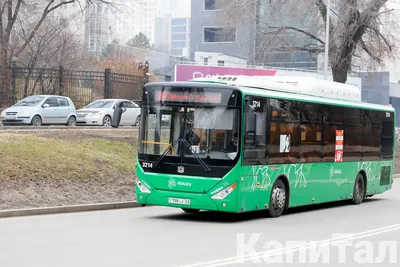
column 179, row 201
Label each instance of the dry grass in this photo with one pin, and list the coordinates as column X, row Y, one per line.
column 53, row 168
column 37, row 157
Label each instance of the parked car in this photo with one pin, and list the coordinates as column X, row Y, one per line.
column 100, row 112
column 41, row 110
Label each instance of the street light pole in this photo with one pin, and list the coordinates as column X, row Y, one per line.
column 328, row 9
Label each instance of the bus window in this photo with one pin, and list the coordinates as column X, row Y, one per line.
column 387, row 136
column 353, row 132
column 311, row 133
column 333, row 122
column 371, row 136
column 284, row 131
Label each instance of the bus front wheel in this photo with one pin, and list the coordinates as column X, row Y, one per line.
column 278, row 199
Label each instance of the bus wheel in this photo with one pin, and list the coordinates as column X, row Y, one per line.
column 359, row 185
column 190, row 210
column 278, row 199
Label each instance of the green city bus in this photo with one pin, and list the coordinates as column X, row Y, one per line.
column 239, row 144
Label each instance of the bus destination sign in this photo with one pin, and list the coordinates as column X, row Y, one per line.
column 206, row 97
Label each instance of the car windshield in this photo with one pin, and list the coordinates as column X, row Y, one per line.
column 100, row 104
column 210, row 131
column 30, row 101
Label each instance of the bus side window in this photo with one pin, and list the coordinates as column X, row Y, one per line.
column 332, row 122
column 387, row 135
column 371, row 136
column 353, row 122
column 310, row 133
column 284, row 131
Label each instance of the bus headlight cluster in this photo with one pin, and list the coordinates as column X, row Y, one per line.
column 225, row 192
column 142, row 187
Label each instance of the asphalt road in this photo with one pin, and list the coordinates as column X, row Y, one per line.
column 165, row 237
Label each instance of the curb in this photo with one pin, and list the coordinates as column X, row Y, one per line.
column 68, row 209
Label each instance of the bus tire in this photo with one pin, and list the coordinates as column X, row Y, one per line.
column 277, row 202
column 190, row 210
column 359, row 189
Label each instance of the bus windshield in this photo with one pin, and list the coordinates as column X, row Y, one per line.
column 190, row 127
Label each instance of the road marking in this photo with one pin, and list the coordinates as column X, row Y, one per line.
column 276, row 252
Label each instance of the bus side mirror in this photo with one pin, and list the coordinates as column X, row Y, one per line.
column 251, row 121
column 116, row 117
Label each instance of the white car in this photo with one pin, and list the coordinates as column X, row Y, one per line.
column 41, row 110
column 100, row 112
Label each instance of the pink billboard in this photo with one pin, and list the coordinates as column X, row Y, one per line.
column 185, row 73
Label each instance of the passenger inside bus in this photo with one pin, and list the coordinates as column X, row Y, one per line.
column 192, row 138
column 232, row 147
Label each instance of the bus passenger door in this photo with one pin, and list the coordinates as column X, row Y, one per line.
column 256, row 181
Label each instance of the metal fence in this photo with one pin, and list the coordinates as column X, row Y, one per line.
column 82, row 87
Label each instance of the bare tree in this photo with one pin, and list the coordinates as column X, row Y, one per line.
column 54, row 45
column 33, row 13
column 357, row 28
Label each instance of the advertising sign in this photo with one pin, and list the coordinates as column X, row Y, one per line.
column 339, row 146
column 185, row 73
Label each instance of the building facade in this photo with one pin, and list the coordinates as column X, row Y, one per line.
column 180, row 36
column 218, row 59
column 211, row 35
column 394, row 100
column 97, row 34
column 247, row 40
column 146, row 18
column 284, row 47
column 162, row 38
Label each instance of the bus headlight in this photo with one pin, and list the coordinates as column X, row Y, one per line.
column 225, row 192
column 142, row 187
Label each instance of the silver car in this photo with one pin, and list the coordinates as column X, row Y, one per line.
column 41, row 110
column 100, row 112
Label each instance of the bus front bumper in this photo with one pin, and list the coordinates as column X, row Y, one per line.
column 186, row 200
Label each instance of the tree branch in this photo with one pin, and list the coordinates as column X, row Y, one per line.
column 12, row 17
column 375, row 7
column 322, row 8
column 45, row 13
column 369, row 52
column 301, row 48
column 379, row 34
column 313, row 36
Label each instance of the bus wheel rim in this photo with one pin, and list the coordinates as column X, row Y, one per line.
column 358, row 188
column 278, row 198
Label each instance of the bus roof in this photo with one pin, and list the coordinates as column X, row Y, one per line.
column 292, row 84
column 307, row 89
column 278, row 89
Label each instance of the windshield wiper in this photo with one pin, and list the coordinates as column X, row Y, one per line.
column 202, row 163
column 187, row 145
column 160, row 158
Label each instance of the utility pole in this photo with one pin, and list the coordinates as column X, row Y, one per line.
column 326, row 61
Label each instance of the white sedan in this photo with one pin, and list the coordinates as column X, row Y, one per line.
column 100, row 112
